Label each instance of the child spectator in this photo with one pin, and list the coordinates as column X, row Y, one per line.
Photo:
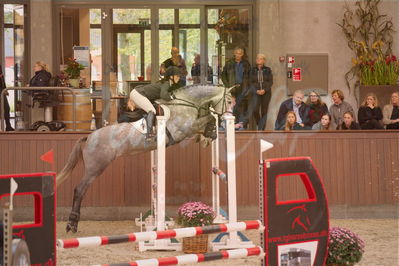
column 290, row 122
column 349, row 122
column 324, row 123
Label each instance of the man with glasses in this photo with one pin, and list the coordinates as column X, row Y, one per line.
column 295, row 104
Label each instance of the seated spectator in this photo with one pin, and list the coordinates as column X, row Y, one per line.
column 339, row 107
column 291, row 123
column 295, row 104
column 370, row 114
column 391, row 112
column 324, row 123
column 316, row 108
column 42, row 75
column 349, row 122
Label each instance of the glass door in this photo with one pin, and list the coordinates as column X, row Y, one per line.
column 19, row 48
column 228, row 28
column 131, row 48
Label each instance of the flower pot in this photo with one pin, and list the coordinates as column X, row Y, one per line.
column 383, row 93
column 74, row 83
column 195, row 244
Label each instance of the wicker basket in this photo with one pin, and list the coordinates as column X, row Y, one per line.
column 195, row 244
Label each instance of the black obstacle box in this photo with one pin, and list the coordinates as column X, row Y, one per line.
column 39, row 234
column 296, row 231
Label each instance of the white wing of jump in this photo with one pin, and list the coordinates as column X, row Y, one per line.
column 264, row 146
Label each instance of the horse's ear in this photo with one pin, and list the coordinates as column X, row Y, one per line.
column 231, row 88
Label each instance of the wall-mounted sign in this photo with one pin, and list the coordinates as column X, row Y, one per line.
column 82, row 55
column 296, row 74
column 144, row 21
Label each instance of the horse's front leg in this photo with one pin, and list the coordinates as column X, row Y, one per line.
column 206, row 125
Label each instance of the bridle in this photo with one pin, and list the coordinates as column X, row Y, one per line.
column 203, row 107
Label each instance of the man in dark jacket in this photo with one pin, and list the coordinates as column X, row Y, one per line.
column 236, row 73
column 6, row 105
column 261, row 81
column 295, row 104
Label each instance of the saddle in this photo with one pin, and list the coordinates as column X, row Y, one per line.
column 138, row 114
column 136, row 118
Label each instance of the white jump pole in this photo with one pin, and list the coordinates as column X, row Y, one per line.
column 231, row 173
column 233, row 241
column 215, row 178
column 159, row 180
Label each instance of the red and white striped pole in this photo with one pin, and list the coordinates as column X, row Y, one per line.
column 95, row 241
column 196, row 258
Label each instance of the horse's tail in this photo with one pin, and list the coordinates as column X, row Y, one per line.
column 73, row 159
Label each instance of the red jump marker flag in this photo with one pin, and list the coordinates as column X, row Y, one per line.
column 49, row 158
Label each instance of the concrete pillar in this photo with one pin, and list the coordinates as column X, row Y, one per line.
column 41, row 32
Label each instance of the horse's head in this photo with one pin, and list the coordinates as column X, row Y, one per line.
column 222, row 100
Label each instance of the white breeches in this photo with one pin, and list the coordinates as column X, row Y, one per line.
column 141, row 101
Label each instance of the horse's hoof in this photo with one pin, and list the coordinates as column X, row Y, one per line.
column 72, row 226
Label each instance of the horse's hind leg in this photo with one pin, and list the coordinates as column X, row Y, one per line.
column 78, row 194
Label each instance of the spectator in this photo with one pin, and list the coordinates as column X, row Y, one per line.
column 261, row 81
column 236, row 73
column 339, row 107
column 391, row 112
column 316, row 108
column 42, row 75
column 295, row 104
column 196, row 71
column 291, row 123
column 348, row 122
column 6, row 105
column 177, row 61
column 370, row 114
column 324, row 123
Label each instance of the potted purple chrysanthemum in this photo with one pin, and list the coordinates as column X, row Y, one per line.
column 195, row 213
column 344, row 247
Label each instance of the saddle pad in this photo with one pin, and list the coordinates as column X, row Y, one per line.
column 141, row 125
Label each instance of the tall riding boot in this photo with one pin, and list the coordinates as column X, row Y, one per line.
column 150, row 118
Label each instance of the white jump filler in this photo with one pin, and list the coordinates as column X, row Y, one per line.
column 158, row 184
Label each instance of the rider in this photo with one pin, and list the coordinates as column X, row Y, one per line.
column 144, row 97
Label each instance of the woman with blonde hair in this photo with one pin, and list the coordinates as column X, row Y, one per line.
column 370, row 114
column 291, row 123
column 42, row 75
column 316, row 108
column 391, row 112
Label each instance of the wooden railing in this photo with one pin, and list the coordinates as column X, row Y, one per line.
column 357, row 167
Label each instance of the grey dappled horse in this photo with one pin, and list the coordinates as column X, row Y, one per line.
column 189, row 115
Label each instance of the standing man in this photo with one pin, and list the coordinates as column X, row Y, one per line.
column 236, row 72
column 339, row 107
column 6, row 105
column 196, row 71
column 261, row 81
column 177, row 61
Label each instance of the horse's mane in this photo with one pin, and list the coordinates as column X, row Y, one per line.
column 198, row 91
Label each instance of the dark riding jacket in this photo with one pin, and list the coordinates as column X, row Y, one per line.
column 159, row 90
